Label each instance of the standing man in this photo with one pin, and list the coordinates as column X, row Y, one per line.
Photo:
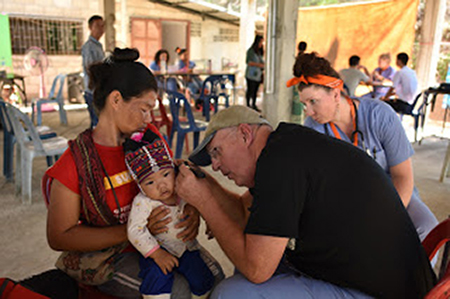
column 92, row 52
column 353, row 75
column 405, row 86
column 320, row 220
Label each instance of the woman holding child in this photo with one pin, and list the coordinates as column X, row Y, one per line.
column 91, row 191
column 371, row 125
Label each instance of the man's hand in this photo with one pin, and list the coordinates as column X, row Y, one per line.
column 156, row 222
column 190, row 221
column 191, row 189
column 164, row 260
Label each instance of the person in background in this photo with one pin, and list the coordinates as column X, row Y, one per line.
column 370, row 125
column 353, row 75
column 194, row 83
column 92, row 52
column 254, row 70
column 301, row 47
column 383, row 74
column 159, row 66
column 405, row 87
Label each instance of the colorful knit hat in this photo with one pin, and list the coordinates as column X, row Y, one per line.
column 146, row 154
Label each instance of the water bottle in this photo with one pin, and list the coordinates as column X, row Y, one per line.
column 163, row 67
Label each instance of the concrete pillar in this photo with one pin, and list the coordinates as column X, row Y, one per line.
column 124, row 23
column 280, row 57
column 109, row 8
column 246, row 33
column 430, row 41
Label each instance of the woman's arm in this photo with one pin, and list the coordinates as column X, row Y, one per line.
column 403, row 180
column 258, row 64
column 63, row 231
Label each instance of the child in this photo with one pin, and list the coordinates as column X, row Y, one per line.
column 150, row 164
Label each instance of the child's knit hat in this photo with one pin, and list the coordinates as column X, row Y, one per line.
column 146, row 154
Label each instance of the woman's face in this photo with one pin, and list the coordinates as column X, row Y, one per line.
column 383, row 63
column 183, row 56
column 163, row 57
column 134, row 115
column 320, row 104
column 261, row 43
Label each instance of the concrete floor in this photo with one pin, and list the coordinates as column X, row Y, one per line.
column 24, row 249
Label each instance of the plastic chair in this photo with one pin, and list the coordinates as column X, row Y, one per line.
column 212, row 89
column 30, row 146
column 9, row 140
column 162, row 119
column 177, row 103
column 418, row 113
column 52, row 98
column 446, row 166
column 438, row 237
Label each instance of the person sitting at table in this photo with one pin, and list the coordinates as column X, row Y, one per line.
column 352, row 76
column 370, row 125
column 383, row 74
column 194, row 83
column 159, row 66
column 405, row 87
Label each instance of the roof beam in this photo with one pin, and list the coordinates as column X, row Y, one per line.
column 203, row 14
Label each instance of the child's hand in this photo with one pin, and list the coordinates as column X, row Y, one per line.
column 164, row 260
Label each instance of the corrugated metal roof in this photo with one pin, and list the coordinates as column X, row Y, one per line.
column 205, row 9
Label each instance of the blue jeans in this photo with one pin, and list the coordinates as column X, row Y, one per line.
column 286, row 284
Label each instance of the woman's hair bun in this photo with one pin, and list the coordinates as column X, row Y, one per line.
column 125, row 55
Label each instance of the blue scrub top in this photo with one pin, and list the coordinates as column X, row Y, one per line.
column 384, row 137
column 154, row 66
column 182, row 65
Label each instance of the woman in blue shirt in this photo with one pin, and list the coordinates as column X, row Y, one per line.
column 159, row 66
column 194, row 83
column 371, row 125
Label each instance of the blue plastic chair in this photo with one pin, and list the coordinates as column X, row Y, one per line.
column 10, row 140
column 30, row 146
column 178, row 102
column 213, row 89
column 52, row 98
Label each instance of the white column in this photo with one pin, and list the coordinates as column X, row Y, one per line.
column 124, row 23
column 430, row 41
column 246, row 34
column 280, row 58
column 110, row 18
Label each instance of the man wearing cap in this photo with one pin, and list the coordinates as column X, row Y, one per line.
column 320, row 220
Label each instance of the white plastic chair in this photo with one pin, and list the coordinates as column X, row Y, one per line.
column 30, row 146
column 54, row 97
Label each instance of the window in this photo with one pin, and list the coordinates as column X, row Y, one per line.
column 56, row 37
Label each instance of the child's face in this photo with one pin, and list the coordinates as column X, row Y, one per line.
column 160, row 185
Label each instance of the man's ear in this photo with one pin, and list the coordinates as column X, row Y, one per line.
column 246, row 133
column 115, row 97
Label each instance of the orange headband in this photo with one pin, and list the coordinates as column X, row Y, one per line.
column 323, row 80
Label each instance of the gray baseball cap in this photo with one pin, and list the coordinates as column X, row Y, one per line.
column 230, row 117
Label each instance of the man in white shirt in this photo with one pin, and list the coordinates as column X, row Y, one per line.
column 405, row 85
column 353, row 75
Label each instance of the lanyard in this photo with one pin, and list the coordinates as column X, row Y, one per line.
column 354, row 114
